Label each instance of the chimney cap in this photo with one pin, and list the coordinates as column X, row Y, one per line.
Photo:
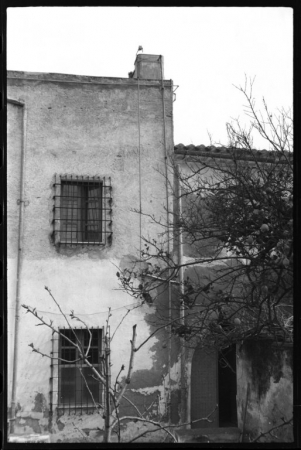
column 146, row 57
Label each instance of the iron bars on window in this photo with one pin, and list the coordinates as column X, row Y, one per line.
column 82, row 210
column 73, row 384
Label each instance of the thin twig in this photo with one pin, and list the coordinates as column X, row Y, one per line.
column 120, row 323
column 128, row 378
column 80, row 431
column 285, row 422
column 134, row 406
column 89, row 390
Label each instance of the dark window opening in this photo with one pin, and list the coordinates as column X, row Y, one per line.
column 82, row 210
column 227, row 387
column 77, row 383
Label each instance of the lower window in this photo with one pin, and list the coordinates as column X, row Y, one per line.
column 77, row 384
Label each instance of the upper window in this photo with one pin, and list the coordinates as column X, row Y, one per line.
column 77, row 383
column 82, row 210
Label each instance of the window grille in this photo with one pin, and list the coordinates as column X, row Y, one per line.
column 76, row 381
column 82, row 210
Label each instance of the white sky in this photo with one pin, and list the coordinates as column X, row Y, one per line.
column 206, row 51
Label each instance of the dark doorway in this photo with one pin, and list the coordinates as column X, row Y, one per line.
column 213, row 381
column 204, row 385
column 227, row 387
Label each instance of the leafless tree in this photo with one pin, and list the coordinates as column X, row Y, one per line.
column 114, row 393
column 234, row 217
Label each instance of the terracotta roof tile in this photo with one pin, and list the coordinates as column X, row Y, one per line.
column 223, row 152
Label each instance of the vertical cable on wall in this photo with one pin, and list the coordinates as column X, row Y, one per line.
column 139, row 159
column 165, row 154
column 167, row 221
column 184, row 399
column 21, row 202
column 51, row 383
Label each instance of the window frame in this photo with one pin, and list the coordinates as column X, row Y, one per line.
column 105, row 210
column 78, row 402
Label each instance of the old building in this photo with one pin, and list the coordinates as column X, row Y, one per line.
column 85, row 156
column 251, row 381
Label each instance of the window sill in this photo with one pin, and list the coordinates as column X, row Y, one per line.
column 68, row 407
column 81, row 243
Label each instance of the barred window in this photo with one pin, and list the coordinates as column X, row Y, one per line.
column 76, row 379
column 82, row 210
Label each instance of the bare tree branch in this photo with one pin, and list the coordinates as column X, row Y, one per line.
column 277, row 427
column 130, row 369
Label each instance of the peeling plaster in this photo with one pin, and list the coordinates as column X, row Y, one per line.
column 175, row 371
column 136, row 428
column 150, row 390
column 31, row 414
column 271, row 400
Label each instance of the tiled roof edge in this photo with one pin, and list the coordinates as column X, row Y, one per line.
column 227, row 153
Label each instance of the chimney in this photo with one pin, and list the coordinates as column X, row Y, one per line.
column 148, row 67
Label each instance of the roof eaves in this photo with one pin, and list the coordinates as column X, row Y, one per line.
column 228, row 153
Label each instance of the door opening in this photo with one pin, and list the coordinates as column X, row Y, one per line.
column 227, row 387
column 213, row 381
column 204, row 388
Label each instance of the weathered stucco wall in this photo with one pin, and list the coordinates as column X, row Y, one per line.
column 83, row 126
column 267, row 368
